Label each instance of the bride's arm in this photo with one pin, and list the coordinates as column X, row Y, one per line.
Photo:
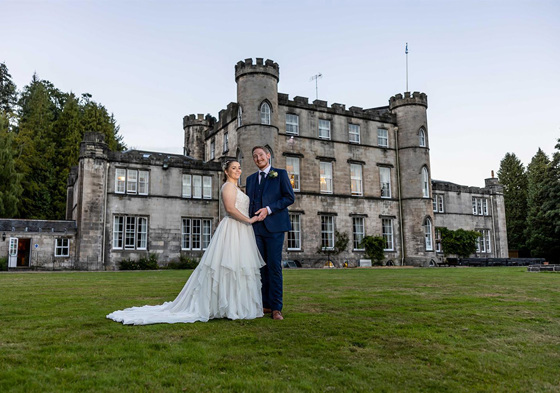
column 229, row 195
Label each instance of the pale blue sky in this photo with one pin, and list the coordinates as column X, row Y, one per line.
column 490, row 68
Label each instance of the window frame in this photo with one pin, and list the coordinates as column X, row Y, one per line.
column 130, row 232
column 291, row 124
column 422, row 137
column 358, row 236
column 61, row 250
column 381, row 138
column 327, row 232
column 294, row 234
column 428, row 234
column 226, row 143
column 425, row 182
column 355, row 133
column 323, row 179
column 388, row 236
column 293, row 175
column 357, row 180
column 323, row 122
column 192, row 240
column 265, row 113
column 387, row 171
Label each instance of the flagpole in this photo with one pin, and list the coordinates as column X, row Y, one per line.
column 406, row 52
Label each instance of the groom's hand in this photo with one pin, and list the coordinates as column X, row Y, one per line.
column 261, row 213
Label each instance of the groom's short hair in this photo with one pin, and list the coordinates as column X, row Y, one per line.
column 265, row 149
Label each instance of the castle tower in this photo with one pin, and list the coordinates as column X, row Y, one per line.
column 195, row 128
column 257, row 96
column 413, row 154
column 90, row 201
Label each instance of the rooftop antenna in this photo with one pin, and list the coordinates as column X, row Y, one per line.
column 315, row 78
column 406, row 53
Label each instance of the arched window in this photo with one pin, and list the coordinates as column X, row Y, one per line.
column 425, row 183
column 265, row 113
column 239, row 116
column 239, row 156
column 422, row 136
column 271, row 154
column 428, row 234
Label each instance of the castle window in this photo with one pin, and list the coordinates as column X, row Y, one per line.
column 437, row 203
column 358, row 230
column 212, row 149
column 143, row 181
column 324, row 129
column 294, row 235
column 425, row 183
column 120, row 181
column 226, row 142
column 239, row 116
column 265, row 113
column 353, row 133
column 382, row 137
column 356, row 179
column 131, row 181
column 292, row 124
column 327, row 232
column 292, row 167
column 130, row 232
column 428, row 234
column 62, row 247
column 385, row 181
column 387, row 230
column 480, row 206
column 326, row 177
column 197, row 186
column 422, row 136
column 196, row 233
column 438, row 241
column 483, row 242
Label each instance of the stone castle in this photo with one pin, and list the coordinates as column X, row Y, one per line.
column 355, row 171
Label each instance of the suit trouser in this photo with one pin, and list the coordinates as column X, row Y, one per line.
column 270, row 246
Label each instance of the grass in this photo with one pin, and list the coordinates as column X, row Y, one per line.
column 386, row 330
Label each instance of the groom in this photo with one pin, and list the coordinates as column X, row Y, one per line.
column 270, row 192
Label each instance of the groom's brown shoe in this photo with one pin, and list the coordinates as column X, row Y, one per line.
column 277, row 315
column 267, row 310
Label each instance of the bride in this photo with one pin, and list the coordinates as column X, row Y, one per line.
column 227, row 282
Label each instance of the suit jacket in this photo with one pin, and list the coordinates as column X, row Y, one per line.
column 278, row 194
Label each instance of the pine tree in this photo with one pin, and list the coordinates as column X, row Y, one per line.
column 513, row 177
column 8, row 91
column 10, row 187
column 539, row 231
column 37, row 150
column 551, row 204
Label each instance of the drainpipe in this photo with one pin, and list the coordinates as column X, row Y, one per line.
column 401, row 219
column 104, row 220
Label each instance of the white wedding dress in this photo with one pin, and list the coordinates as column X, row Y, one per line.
column 226, row 283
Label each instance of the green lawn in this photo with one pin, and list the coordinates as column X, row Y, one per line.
column 387, row 330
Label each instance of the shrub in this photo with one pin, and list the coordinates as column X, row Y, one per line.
column 3, row 264
column 374, row 246
column 184, row 262
column 148, row 262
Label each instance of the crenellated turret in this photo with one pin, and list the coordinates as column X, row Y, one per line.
column 415, row 177
column 195, row 127
column 257, row 97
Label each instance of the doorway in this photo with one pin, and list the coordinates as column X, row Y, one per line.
column 24, row 251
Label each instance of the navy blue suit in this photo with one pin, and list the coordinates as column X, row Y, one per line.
column 276, row 193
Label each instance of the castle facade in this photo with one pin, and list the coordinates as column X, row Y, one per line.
column 355, row 172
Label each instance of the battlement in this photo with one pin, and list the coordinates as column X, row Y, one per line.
column 381, row 114
column 415, row 98
column 196, row 120
column 260, row 66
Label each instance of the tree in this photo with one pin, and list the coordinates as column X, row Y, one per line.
column 551, row 204
column 459, row 242
column 374, row 246
column 539, row 231
column 10, row 187
column 8, row 92
column 513, row 177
